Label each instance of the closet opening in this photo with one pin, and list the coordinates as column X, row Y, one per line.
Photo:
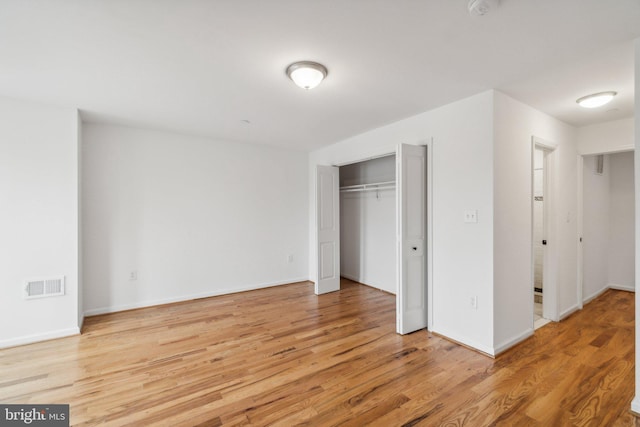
column 607, row 224
column 372, row 226
column 368, row 238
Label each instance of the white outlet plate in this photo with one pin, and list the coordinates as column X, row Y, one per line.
column 471, row 216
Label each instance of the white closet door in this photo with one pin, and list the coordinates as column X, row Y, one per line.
column 411, row 299
column 328, row 229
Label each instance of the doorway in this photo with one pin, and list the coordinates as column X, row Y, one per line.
column 539, row 235
column 544, row 290
column 606, row 203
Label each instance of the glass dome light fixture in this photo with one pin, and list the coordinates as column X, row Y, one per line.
column 307, row 74
column 596, row 100
column 481, row 7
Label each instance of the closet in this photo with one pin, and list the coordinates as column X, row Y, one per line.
column 608, row 225
column 368, row 223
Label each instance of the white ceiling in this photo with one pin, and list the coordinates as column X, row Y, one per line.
column 202, row 67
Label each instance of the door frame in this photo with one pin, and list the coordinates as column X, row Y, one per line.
column 550, row 297
column 580, row 226
column 429, row 219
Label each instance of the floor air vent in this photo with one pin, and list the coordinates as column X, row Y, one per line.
column 49, row 287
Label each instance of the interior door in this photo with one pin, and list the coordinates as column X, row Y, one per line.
column 328, row 229
column 411, row 180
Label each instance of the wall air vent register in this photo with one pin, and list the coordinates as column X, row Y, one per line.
column 44, row 287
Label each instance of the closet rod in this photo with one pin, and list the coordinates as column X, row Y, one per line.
column 369, row 187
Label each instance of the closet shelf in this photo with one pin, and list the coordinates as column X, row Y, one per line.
column 368, row 187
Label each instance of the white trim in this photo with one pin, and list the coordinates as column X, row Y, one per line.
column 551, row 298
column 151, row 303
column 362, row 282
column 540, row 323
column 513, row 341
column 595, row 295
column 551, row 194
column 376, row 155
column 430, row 317
column 543, row 143
column 614, row 286
column 621, row 287
column 580, row 229
column 351, row 277
column 568, row 312
column 30, row 339
column 621, row 149
column 466, row 341
column 635, row 405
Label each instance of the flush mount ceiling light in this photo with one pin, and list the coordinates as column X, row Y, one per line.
column 481, row 7
column 596, row 100
column 307, row 74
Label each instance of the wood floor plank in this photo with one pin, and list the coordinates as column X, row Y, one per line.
column 283, row 356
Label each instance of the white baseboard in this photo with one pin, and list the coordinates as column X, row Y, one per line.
column 621, row 287
column 615, row 286
column 350, row 277
column 513, row 341
column 160, row 301
column 465, row 341
column 30, row 339
column 594, row 295
column 569, row 311
column 635, row 405
column 365, row 282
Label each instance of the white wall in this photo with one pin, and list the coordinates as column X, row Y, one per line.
column 621, row 268
column 368, row 225
column 635, row 404
column 596, row 225
column 462, row 179
column 191, row 216
column 515, row 124
column 608, row 137
column 368, row 238
column 38, row 219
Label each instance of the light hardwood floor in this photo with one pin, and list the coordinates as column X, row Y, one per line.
column 283, row 356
